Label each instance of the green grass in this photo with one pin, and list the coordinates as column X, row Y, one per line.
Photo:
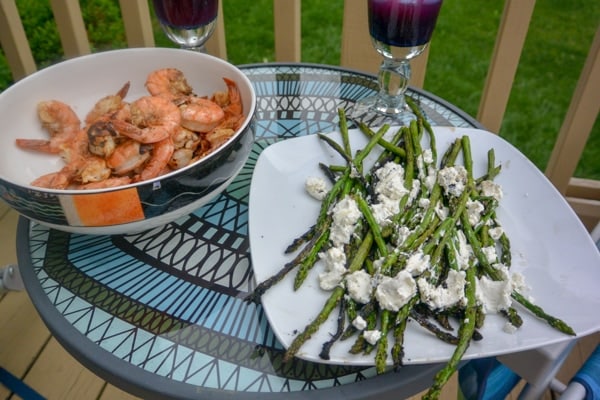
column 558, row 41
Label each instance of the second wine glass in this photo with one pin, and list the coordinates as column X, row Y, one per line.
column 400, row 30
column 188, row 23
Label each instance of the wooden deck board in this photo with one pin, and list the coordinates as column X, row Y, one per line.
column 57, row 375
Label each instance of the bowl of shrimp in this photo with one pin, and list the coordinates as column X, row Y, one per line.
column 123, row 141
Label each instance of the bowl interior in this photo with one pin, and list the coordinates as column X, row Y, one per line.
column 82, row 81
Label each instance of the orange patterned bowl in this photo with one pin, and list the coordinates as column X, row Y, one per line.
column 140, row 204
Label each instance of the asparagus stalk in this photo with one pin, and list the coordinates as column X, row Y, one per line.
column 465, row 332
column 331, row 303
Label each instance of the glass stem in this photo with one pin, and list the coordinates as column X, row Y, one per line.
column 393, row 81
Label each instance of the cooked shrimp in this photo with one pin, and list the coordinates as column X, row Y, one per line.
column 169, row 83
column 107, row 105
column 54, row 180
column 201, row 115
column 128, row 157
column 181, row 158
column 84, row 169
column 58, row 118
column 90, row 169
column 153, row 119
column 231, row 103
column 102, row 138
column 185, row 143
column 158, row 162
column 77, row 148
column 219, row 136
column 60, row 121
column 234, row 106
column 185, row 138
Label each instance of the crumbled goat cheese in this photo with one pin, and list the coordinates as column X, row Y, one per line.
column 493, row 296
column 518, row 282
column 372, row 336
column 316, row 187
column 385, row 210
column 453, row 180
column 439, row 297
column 390, row 181
column 394, row 292
column 424, row 202
column 359, row 286
column 509, row 328
column 401, row 234
column 427, row 156
column 345, row 216
column 464, row 251
column 490, row 253
column 474, row 210
column 421, row 168
column 334, row 266
column 491, row 189
column 431, row 177
column 441, row 211
column 496, row 233
column 359, row 323
column 417, row 263
column 414, row 191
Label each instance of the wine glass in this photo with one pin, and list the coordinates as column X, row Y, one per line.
column 188, row 23
column 400, row 30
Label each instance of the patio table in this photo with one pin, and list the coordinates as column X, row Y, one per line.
column 161, row 314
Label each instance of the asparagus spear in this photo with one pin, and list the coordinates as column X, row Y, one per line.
column 331, row 303
column 465, row 332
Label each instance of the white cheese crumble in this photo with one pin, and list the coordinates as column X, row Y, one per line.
column 385, row 210
column 372, row 336
column 439, row 297
column 345, row 216
column 390, row 181
column 490, row 189
column 334, row 260
column 359, row 286
column 359, row 323
column 496, row 233
column 493, row 296
column 453, row 180
column 441, row 210
column 427, row 156
column 474, row 210
column 417, row 263
column 424, row 202
column 490, row 253
column 316, row 187
column 394, row 292
column 401, row 234
column 509, row 328
column 464, row 251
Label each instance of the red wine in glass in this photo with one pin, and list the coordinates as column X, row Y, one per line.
column 400, row 30
column 189, row 23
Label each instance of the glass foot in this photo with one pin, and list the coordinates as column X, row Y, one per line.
column 375, row 111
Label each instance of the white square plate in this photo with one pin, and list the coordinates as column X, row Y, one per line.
column 550, row 247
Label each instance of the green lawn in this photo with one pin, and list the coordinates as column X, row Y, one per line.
column 558, row 41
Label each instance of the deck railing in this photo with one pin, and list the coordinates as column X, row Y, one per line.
column 357, row 53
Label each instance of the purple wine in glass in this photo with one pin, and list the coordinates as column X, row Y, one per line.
column 188, row 23
column 400, row 30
